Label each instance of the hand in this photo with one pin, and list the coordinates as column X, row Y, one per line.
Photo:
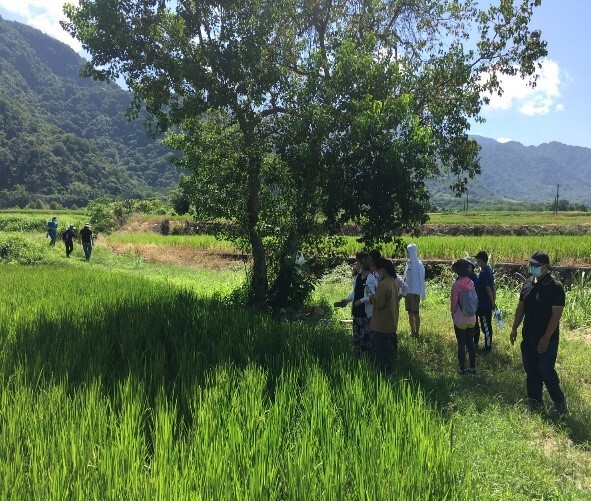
column 357, row 303
column 543, row 344
column 513, row 336
column 339, row 304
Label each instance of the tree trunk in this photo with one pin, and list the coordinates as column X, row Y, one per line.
column 258, row 283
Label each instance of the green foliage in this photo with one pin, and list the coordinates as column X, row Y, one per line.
column 18, row 249
column 65, row 138
column 295, row 117
column 140, row 380
column 106, row 214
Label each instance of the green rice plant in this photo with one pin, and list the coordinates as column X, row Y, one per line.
column 562, row 249
column 115, row 386
column 192, row 241
column 577, row 311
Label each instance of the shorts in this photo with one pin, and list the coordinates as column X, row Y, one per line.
column 412, row 302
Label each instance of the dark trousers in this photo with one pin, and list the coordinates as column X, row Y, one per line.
column 69, row 247
column 539, row 369
column 465, row 338
column 485, row 320
column 384, row 350
column 87, row 249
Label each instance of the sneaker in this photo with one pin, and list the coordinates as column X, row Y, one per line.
column 471, row 372
column 561, row 408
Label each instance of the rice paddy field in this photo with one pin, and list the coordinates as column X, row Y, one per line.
column 129, row 378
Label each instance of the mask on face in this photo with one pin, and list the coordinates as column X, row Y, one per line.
column 535, row 271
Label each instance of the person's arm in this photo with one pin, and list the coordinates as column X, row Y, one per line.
column 380, row 298
column 455, row 297
column 402, row 285
column 518, row 318
column 343, row 302
column 491, row 295
column 552, row 325
column 371, row 284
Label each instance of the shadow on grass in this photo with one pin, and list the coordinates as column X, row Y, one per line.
column 174, row 342
column 432, row 361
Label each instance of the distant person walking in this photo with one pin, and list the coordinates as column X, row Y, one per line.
column 414, row 276
column 384, row 321
column 464, row 318
column 487, row 301
column 52, row 230
column 540, row 307
column 68, row 238
column 86, row 238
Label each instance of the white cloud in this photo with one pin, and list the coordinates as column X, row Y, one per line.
column 503, row 139
column 531, row 101
column 44, row 15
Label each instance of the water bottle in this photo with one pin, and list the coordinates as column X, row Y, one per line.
column 499, row 318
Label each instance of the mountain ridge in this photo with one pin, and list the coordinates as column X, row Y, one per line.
column 57, row 128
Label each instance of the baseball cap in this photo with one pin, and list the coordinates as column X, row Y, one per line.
column 539, row 257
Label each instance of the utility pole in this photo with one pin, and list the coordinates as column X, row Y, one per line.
column 556, row 200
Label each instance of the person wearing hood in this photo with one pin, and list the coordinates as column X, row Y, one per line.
column 414, row 276
column 463, row 323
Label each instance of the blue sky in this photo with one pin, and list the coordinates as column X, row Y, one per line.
column 558, row 109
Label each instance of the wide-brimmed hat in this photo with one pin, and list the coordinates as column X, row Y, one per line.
column 463, row 267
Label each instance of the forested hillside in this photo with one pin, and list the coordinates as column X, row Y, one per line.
column 67, row 139
column 64, row 137
column 512, row 173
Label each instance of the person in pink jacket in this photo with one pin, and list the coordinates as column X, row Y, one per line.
column 463, row 323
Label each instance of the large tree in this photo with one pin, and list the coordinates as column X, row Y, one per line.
column 298, row 115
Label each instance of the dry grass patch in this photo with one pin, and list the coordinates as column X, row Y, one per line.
column 184, row 256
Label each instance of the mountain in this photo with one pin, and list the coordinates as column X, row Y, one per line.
column 513, row 173
column 64, row 137
column 67, row 139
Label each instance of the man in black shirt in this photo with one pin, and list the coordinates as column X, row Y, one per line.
column 68, row 238
column 540, row 307
column 86, row 237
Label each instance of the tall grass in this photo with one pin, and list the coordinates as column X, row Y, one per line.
column 117, row 387
column 511, row 217
column 562, row 249
column 192, row 241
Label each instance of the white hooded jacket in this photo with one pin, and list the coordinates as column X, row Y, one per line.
column 414, row 272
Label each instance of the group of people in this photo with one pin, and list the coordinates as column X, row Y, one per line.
column 376, row 295
column 86, row 237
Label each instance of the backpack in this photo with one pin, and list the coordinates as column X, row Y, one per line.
column 469, row 302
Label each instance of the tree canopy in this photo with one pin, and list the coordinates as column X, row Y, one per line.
column 297, row 115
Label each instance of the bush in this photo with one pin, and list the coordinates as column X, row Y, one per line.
column 17, row 249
